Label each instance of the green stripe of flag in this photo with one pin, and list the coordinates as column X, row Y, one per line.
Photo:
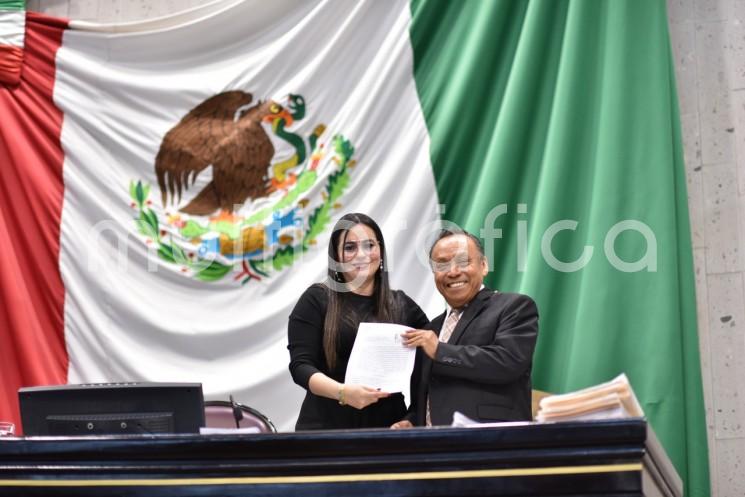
column 564, row 115
column 12, row 5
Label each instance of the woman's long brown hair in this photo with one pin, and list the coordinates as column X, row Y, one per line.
column 383, row 303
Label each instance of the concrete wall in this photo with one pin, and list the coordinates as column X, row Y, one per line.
column 708, row 38
column 110, row 10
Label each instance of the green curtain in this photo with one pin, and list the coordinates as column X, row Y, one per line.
column 566, row 111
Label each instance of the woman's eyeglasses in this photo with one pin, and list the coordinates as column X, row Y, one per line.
column 367, row 246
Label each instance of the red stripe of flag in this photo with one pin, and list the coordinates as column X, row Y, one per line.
column 11, row 60
column 32, row 343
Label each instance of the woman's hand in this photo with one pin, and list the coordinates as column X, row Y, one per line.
column 357, row 396
column 426, row 339
column 360, row 396
column 404, row 424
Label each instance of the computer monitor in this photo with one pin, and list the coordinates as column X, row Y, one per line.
column 111, row 408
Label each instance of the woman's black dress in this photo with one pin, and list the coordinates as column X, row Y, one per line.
column 305, row 342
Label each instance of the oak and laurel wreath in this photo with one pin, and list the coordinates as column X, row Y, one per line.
column 205, row 269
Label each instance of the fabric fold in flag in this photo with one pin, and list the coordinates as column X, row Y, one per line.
column 12, row 31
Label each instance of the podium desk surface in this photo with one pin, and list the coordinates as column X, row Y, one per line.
column 610, row 458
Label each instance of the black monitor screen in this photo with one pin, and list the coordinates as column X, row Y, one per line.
column 112, row 408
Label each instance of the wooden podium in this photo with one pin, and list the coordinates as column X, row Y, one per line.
column 608, row 458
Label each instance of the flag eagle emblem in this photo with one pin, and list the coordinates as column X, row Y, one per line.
column 255, row 215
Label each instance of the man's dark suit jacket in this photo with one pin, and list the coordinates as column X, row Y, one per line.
column 484, row 369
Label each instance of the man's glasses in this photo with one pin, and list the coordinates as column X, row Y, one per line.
column 445, row 266
column 367, row 246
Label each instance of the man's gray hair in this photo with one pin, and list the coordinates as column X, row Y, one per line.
column 446, row 233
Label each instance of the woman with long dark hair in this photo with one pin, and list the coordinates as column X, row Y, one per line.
column 323, row 326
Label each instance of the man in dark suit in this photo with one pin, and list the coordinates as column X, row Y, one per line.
column 478, row 355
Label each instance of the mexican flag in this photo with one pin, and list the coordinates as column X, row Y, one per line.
column 169, row 187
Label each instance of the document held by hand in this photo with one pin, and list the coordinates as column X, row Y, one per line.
column 379, row 359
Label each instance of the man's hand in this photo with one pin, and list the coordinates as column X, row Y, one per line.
column 402, row 425
column 426, row 339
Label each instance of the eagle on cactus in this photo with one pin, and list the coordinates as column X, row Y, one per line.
column 225, row 132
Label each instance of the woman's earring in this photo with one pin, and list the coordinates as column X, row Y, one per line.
column 381, row 265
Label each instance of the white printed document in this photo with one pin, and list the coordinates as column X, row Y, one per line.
column 380, row 359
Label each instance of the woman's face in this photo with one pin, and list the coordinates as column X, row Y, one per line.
column 359, row 252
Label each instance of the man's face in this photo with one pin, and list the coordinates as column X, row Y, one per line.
column 459, row 269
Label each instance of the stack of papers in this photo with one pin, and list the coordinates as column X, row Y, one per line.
column 614, row 399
